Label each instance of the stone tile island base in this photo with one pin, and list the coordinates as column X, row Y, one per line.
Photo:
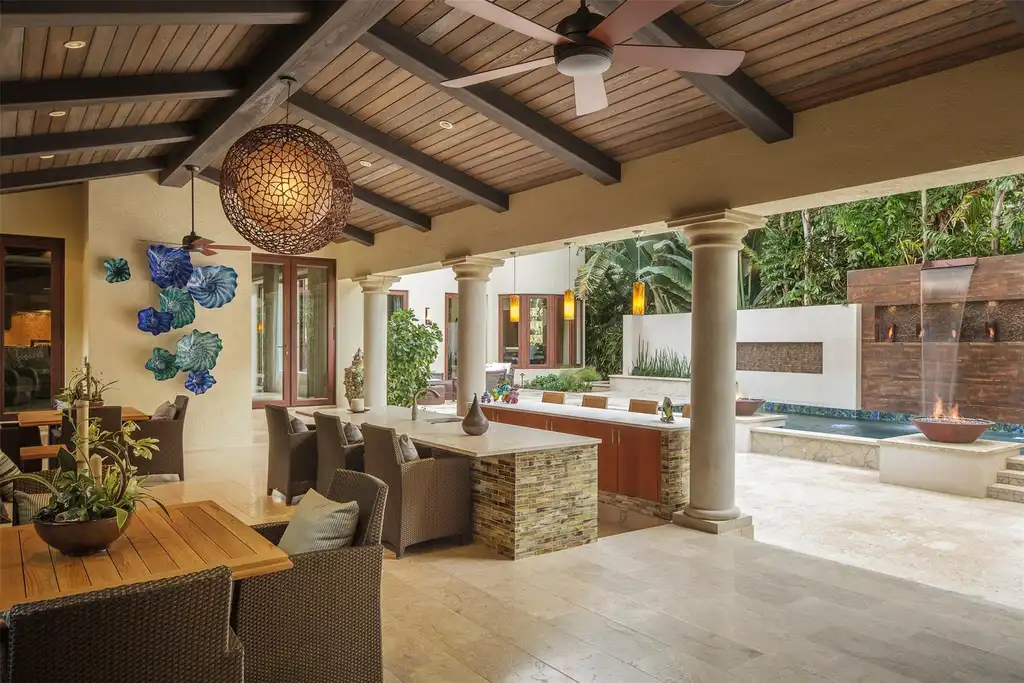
column 675, row 480
column 527, row 504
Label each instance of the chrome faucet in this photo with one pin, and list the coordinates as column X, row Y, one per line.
column 416, row 396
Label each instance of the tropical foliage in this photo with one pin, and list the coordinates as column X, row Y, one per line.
column 412, row 347
column 661, row 363
column 567, row 380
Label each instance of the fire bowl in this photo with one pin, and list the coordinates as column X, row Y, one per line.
column 745, row 407
column 947, row 430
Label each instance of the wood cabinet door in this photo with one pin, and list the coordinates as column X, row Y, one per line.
column 639, row 461
column 491, row 414
column 607, row 450
column 532, row 420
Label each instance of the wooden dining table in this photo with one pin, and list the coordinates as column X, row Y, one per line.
column 196, row 536
column 43, row 418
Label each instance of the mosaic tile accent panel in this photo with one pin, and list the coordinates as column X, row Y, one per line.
column 873, row 415
column 815, row 447
column 675, row 480
column 529, row 504
column 804, row 357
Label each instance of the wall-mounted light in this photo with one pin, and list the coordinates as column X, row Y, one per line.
column 991, row 331
column 890, row 333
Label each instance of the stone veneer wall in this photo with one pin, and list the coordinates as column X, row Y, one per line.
column 804, row 357
column 849, row 451
column 675, row 480
column 529, row 504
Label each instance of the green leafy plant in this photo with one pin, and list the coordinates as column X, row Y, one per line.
column 354, row 376
column 567, row 380
column 412, row 347
column 78, row 495
column 661, row 363
column 82, row 386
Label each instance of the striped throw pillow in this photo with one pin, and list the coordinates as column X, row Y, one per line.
column 7, row 468
column 320, row 523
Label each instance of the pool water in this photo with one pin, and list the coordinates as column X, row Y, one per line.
column 872, row 429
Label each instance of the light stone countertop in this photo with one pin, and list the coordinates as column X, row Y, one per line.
column 596, row 414
column 500, row 439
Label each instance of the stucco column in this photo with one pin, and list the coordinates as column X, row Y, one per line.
column 375, row 337
column 472, row 274
column 715, row 240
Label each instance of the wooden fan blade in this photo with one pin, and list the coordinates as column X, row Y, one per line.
column 206, row 251
column 484, row 76
column 694, row 60
column 510, row 20
column 202, row 242
column 590, row 94
column 230, row 247
column 631, row 15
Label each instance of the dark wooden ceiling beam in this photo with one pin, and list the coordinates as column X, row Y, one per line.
column 351, row 232
column 296, row 51
column 80, row 92
column 107, row 138
column 399, row 212
column 407, row 51
column 35, row 13
column 1016, row 8
column 738, row 94
column 67, row 175
column 426, row 166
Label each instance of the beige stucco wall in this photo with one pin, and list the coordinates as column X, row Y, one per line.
column 962, row 117
column 122, row 213
column 58, row 212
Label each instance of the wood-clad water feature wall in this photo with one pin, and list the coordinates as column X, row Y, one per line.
column 989, row 371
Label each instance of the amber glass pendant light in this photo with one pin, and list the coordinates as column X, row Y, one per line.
column 513, row 301
column 639, row 291
column 569, row 298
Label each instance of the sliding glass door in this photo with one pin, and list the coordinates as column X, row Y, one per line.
column 293, row 340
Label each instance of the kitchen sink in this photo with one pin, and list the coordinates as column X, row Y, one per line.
column 443, row 420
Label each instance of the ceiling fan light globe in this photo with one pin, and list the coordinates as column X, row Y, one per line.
column 583, row 59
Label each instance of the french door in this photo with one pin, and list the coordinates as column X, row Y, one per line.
column 293, row 348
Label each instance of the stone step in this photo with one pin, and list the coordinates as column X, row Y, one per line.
column 1014, row 477
column 1015, row 462
column 1009, row 492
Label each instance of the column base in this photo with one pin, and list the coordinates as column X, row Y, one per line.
column 740, row 526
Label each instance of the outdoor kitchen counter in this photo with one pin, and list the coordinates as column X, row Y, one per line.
column 534, row 491
column 643, row 464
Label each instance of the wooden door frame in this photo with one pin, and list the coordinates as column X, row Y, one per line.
column 289, row 319
column 55, row 245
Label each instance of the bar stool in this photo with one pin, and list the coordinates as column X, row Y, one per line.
column 593, row 401
column 637, row 405
column 552, row 397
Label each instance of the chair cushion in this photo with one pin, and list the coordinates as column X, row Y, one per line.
column 165, row 411
column 29, row 504
column 352, row 433
column 320, row 523
column 407, row 448
column 7, row 468
column 297, row 426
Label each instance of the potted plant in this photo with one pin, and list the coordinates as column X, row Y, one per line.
column 354, row 383
column 92, row 503
column 83, row 386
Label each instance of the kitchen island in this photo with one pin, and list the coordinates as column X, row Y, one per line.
column 534, row 491
column 643, row 464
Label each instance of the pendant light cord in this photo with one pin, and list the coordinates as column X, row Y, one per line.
column 192, row 183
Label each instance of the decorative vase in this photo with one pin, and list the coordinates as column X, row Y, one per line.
column 81, row 537
column 475, row 423
column 356, row 404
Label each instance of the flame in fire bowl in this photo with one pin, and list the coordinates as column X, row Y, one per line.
column 950, row 427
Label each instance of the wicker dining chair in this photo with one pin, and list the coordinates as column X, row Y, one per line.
column 291, row 459
column 333, row 451
column 320, row 621
column 162, row 631
column 170, row 434
column 430, row 497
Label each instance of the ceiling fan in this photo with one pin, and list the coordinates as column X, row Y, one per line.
column 193, row 243
column 586, row 43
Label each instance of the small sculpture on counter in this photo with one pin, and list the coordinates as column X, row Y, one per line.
column 475, row 423
column 666, row 410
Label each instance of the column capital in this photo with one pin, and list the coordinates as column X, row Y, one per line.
column 724, row 228
column 375, row 284
column 472, row 267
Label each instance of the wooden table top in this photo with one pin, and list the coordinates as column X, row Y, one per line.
column 42, row 418
column 197, row 536
column 39, row 452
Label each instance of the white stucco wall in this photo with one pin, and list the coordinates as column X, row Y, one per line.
column 836, row 327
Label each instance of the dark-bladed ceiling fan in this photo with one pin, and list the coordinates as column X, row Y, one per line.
column 586, row 43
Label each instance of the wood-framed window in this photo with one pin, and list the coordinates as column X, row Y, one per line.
column 541, row 338
column 32, row 310
column 398, row 300
column 293, row 303
column 451, row 335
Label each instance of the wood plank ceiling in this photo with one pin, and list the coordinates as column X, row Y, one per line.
column 391, row 125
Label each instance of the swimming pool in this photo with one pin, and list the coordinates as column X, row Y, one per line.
column 872, row 429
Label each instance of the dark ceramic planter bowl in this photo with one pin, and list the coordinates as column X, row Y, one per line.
column 943, row 431
column 81, row 538
column 745, row 407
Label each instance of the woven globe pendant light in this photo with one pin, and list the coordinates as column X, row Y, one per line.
column 285, row 189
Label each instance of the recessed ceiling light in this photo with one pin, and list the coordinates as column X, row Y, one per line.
column 46, row 156
column 58, row 112
column 75, row 44
column 364, row 163
column 447, row 125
